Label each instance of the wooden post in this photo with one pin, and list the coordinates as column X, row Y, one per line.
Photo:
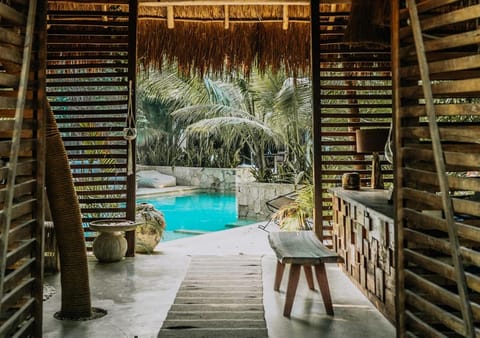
column 132, row 73
column 317, row 129
column 40, row 45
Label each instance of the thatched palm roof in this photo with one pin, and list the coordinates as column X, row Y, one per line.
column 215, row 36
column 236, row 35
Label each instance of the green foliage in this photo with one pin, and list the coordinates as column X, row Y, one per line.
column 211, row 122
column 294, row 216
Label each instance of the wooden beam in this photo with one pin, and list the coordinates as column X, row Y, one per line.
column 170, row 22
column 285, row 18
column 149, row 3
column 230, row 20
column 226, row 12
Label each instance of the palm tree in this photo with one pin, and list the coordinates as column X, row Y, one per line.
column 231, row 115
column 267, row 112
column 289, row 100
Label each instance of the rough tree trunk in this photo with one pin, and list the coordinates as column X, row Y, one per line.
column 65, row 210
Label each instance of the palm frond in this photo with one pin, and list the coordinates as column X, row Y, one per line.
column 220, row 124
column 195, row 113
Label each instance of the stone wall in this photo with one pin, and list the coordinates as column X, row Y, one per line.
column 218, row 179
column 252, row 196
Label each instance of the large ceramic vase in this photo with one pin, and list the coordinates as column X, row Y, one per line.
column 149, row 231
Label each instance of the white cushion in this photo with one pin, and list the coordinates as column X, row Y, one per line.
column 154, row 179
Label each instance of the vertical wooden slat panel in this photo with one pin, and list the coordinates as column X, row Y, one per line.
column 21, row 226
column 90, row 61
column 437, row 204
column 355, row 92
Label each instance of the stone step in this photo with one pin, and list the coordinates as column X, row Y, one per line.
column 227, row 313
column 214, row 294
column 214, row 333
column 217, row 307
column 199, row 300
column 215, row 323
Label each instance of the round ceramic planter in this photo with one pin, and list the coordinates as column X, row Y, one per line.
column 110, row 245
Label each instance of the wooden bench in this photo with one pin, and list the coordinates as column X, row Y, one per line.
column 302, row 248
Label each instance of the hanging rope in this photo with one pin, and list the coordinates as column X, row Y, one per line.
column 130, row 132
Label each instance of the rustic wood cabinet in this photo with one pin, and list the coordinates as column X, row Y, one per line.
column 363, row 234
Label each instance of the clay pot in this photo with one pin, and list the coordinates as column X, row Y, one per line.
column 149, row 231
column 110, row 246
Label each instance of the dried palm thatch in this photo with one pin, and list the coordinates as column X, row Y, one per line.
column 208, row 47
column 219, row 38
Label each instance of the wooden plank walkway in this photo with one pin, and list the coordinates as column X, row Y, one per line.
column 221, row 296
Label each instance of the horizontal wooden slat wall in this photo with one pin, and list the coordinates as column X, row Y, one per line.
column 355, row 82
column 88, row 89
column 22, row 152
column 429, row 283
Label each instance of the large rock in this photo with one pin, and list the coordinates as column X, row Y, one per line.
column 150, row 230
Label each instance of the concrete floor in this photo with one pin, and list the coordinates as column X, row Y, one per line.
column 138, row 292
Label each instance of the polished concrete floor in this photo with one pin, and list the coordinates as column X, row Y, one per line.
column 138, row 292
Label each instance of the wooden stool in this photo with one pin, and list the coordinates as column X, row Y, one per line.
column 302, row 248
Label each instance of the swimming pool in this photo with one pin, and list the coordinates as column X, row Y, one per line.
column 196, row 213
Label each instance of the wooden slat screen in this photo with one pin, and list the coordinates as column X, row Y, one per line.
column 355, row 83
column 428, row 282
column 22, row 151
column 88, row 88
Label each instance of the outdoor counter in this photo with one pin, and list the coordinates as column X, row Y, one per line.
column 364, row 235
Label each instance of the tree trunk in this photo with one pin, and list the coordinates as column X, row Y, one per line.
column 67, row 220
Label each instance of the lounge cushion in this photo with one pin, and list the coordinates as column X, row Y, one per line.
column 154, row 179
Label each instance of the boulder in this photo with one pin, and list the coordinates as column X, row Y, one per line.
column 150, row 229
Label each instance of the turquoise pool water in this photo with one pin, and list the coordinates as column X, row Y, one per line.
column 196, row 213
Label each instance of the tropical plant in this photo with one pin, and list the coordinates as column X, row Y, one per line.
column 230, row 115
column 218, row 119
column 290, row 102
column 295, row 216
column 162, row 139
